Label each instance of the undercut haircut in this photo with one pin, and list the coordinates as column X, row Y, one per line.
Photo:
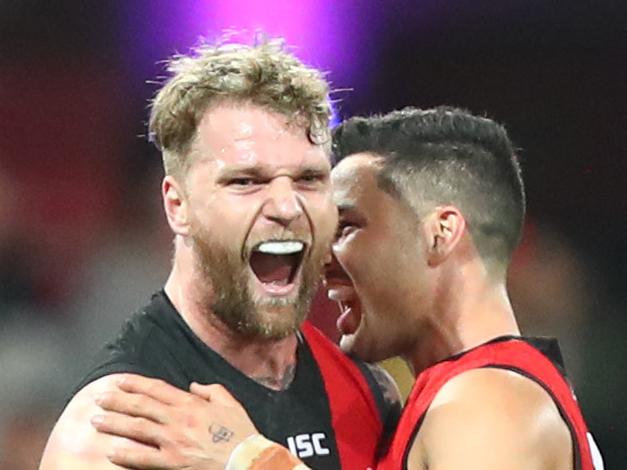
column 263, row 74
column 446, row 156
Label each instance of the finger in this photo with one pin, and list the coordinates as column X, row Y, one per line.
column 154, row 388
column 214, row 392
column 134, row 404
column 129, row 454
column 140, row 430
column 203, row 391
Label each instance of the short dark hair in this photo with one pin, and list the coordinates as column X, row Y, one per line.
column 442, row 156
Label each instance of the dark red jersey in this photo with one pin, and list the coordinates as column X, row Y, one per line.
column 535, row 358
column 355, row 417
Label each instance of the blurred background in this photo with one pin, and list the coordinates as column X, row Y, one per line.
column 83, row 241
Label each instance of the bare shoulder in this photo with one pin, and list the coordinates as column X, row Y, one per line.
column 74, row 443
column 494, row 418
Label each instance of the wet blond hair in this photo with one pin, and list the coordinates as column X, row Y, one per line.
column 264, row 74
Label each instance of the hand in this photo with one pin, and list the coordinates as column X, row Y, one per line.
column 161, row 426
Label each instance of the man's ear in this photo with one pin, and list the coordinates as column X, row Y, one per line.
column 445, row 227
column 175, row 205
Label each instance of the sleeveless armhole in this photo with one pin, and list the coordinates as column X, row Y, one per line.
column 355, row 418
column 389, row 413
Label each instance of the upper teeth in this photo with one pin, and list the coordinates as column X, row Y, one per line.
column 281, row 247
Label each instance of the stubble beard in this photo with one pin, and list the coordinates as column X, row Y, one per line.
column 249, row 316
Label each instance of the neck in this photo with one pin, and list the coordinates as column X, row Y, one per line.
column 466, row 314
column 269, row 362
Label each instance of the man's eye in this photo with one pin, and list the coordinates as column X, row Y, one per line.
column 344, row 229
column 242, row 182
column 311, row 178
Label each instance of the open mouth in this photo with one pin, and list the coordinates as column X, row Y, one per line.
column 349, row 318
column 276, row 263
column 340, row 289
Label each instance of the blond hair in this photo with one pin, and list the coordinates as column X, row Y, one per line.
column 263, row 74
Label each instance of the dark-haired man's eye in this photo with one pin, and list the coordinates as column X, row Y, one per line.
column 344, row 229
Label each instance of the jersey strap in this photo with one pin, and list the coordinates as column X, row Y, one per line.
column 350, row 402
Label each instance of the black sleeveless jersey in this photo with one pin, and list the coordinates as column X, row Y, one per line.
column 156, row 342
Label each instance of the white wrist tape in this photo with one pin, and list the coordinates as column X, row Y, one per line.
column 258, row 453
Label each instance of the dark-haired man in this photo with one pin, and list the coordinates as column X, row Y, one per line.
column 431, row 209
column 431, row 205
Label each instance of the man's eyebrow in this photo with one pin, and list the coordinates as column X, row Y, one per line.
column 261, row 170
column 241, row 170
column 352, row 212
column 315, row 167
column 309, row 165
column 345, row 207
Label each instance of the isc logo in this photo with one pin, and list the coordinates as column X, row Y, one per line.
column 306, row 445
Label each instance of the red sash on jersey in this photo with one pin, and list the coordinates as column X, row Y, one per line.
column 355, row 417
column 514, row 355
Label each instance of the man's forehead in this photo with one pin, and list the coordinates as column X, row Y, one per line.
column 240, row 120
column 243, row 157
column 356, row 171
column 247, row 135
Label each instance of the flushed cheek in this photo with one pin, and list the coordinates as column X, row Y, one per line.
column 356, row 261
column 325, row 233
column 229, row 227
column 324, row 220
column 235, row 209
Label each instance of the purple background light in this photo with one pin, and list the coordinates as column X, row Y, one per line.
column 335, row 37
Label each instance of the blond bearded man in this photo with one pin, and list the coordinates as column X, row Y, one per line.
column 245, row 141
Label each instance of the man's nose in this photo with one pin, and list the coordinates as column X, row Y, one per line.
column 283, row 204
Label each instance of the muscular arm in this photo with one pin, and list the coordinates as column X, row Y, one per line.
column 492, row 419
column 74, row 443
column 148, row 423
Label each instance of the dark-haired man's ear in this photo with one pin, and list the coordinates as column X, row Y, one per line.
column 175, row 205
column 446, row 226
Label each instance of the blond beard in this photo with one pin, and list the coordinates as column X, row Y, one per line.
column 234, row 304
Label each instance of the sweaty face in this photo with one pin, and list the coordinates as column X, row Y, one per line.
column 261, row 218
column 378, row 268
